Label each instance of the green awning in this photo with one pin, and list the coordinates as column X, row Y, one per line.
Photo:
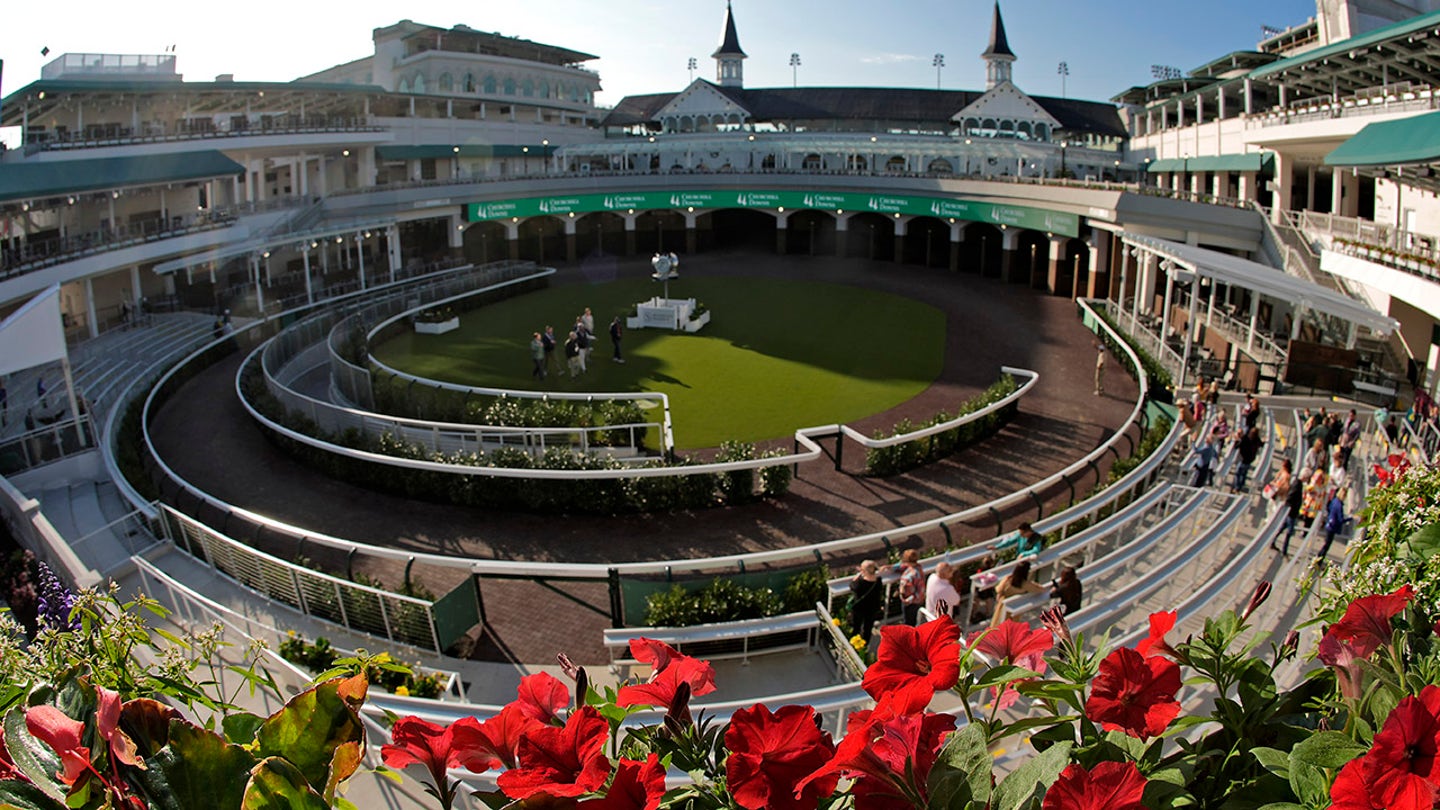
column 1166, row 165
column 473, row 150
column 34, row 179
column 1391, row 143
column 1385, row 33
column 1241, row 162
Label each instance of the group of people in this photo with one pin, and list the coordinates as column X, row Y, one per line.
column 577, row 347
column 1322, row 486
column 1209, row 444
column 941, row 591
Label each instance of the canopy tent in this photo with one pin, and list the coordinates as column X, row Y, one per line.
column 1391, row 143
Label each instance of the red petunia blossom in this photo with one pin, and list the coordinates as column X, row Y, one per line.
column 636, row 786
column 500, row 736
column 63, row 734
column 1340, row 656
column 889, row 753
column 1161, row 623
column 657, row 654
column 438, row 748
column 541, row 697
column 560, row 761
column 913, row 663
column 1366, row 623
column 1107, row 786
column 660, row 690
column 771, row 753
column 1403, row 765
column 1134, row 694
column 1351, row 791
column 1015, row 643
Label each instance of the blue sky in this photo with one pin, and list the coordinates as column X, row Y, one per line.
column 1109, row 45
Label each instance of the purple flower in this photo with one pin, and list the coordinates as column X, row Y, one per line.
column 55, row 602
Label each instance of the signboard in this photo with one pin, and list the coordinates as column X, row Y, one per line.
column 1018, row 216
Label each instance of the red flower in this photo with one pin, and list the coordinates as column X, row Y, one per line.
column 438, row 748
column 500, row 735
column 636, row 786
column 107, row 722
column 1013, row 643
column 771, row 753
column 1402, row 767
column 1160, row 624
column 1107, row 786
column 1340, row 656
column 541, row 697
column 915, row 662
column 657, row 654
column 660, row 690
column 889, row 753
column 62, row 733
column 1134, row 694
column 561, row 762
column 1351, row 791
column 1366, row 623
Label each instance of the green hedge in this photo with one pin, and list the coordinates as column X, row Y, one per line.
column 883, row 461
column 591, row 496
column 724, row 600
column 1159, row 379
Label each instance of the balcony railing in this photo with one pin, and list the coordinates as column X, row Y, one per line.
column 116, row 135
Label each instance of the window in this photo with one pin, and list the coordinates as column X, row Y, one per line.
column 490, row 85
column 527, row 89
column 418, row 85
column 812, row 163
column 469, row 84
column 544, row 89
column 403, row 87
column 447, row 84
column 509, row 87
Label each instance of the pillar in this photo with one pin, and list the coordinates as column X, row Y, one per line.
column 690, row 243
column 1246, row 186
column 1309, row 188
column 512, row 238
column 900, row 239
column 1099, row 244
column 360, row 259
column 90, row 308
column 781, row 221
column 310, row 285
column 570, row 238
column 392, row 246
column 629, row 233
column 1220, row 184
column 1009, row 241
column 1350, row 202
column 842, row 231
column 1281, row 189
column 1197, row 183
column 1052, row 271
column 367, row 168
column 957, row 233
column 457, row 235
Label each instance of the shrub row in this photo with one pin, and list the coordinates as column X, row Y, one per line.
column 592, row 496
column 883, row 461
column 1158, row 378
column 321, row 657
column 725, row 600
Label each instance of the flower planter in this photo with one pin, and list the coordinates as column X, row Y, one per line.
column 437, row 327
column 697, row 322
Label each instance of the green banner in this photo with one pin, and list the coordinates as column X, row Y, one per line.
column 1035, row 219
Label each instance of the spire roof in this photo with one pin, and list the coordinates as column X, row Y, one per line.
column 730, row 44
column 998, row 44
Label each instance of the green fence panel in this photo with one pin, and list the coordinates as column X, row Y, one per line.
column 634, row 592
column 456, row 612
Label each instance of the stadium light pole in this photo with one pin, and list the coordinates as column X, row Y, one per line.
column 690, row 66
column 938, row 63
column 794, row 70
column 1064, row 71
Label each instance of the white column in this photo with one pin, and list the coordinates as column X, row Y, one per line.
column 1281, row 194
column 1337, row 192
column 135, row 293
column 1246, row 186
column 392, row 243
column 90, row 307
column 309, row 285
column 360, row 260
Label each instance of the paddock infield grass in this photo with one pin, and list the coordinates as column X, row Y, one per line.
column 777, row 355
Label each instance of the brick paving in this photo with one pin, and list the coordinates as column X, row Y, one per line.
column 206, row 436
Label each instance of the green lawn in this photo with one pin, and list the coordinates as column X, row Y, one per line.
column 777, row 355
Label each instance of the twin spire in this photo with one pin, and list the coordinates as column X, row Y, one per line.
column 730, row 69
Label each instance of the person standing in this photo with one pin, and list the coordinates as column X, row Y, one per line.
column 1100, row 370
column 1205, row 456
column 1294, row 498
column 572, row 354
column 588, row 321
column 940, row 594
column 582, row 340
column 547, row 342
column 1068, row 590
column 1251, row 412
column 867, row 594
column 912, row 585
column 1335, row 519
column 1247, row 448
column 616, row 332
column 537, row 356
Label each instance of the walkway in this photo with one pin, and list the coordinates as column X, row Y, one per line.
column 206, row 437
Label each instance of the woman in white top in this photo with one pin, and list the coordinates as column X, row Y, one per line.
column 939, row 588
column 1337, row 469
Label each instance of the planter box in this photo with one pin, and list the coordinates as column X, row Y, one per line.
column 695, row 324
column 437, row 327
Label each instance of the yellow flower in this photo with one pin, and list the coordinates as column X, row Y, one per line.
column 835, row 622
column 402, row 691
column 857, row 642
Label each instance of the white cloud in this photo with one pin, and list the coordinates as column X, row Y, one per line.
column 890, row 58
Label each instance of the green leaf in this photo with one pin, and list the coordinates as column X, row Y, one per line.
column 277, row 785
column 32, row 757
column 1308, row 783
column 308, row 729
column 1133, row 747
column 961, row 775
column 25, row 796
column 1274, row 761
column 1004, row 674
column 1423, row 543
column 1327, row 749
column 240, row 727
column 1024, row 787
column 1281, row 806
column 197, row 770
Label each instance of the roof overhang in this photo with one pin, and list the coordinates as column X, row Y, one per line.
column 1408, row 141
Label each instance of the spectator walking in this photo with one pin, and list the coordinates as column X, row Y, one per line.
column 588, row 321
column 940, row 594
column 537, row 356
column 1335, row 519
column 1203, row 461
column 912, row 585
column 1100, row 369
column 1293, row 499
column 1250, row 414
column 1349, row 436
column 547, row 342
column 867, row 596
column 616, row 332
column 1015, row 585
column 1247, row 448
column 572, row 354
column 1067, row 589
column 1278, row 490
column 1312, row 498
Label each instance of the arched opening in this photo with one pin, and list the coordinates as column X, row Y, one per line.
column 981, row 250
column 418, row 83
column 927, row 242
column 486, row 242
column 657, row 231
column 541, row 239
column 509, row 87
column 600, row 233
column 447, row 84
column 768, row 163
column 469, row 84
column 941, row 166
column 402, row 87
column 490, row 85
column 528, row 89
column 812, row 163
column 811, row 233
column 870, row 236
column 1032, row 259
column 896, row 165
column 1073, row 274
column 742, row 228
column 857, row 163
